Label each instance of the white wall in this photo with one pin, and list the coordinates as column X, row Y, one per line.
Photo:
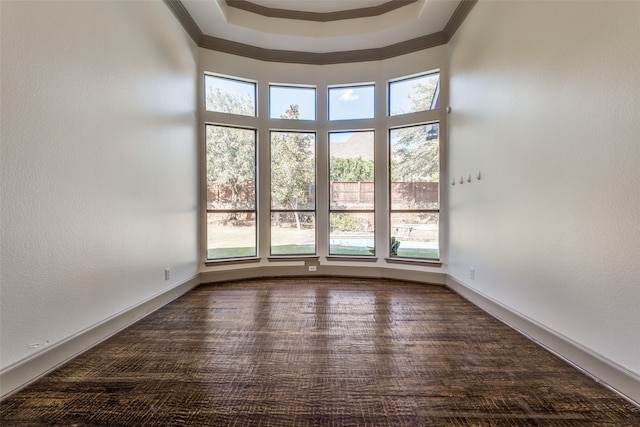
column 99, row 155
column 545, row 103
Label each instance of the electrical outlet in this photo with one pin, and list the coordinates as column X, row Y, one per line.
column 167, row 273
column 313, row 268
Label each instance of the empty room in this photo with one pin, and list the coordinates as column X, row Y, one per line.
column 332, row 213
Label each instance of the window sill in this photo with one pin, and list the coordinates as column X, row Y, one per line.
column 287, row 258
column 213, row 263
column 415, row 261
column 351, row 258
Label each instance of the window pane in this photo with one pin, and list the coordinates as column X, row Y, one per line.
column 231, row 167
column 293, row 170
column 231, row 235
column 414, row 94
column 293, row 233
column 231, row 96
column 351, row 233
column 291, row 102
column 353, row 102
column 416, row 235
column 351, row 170
column 414, row 155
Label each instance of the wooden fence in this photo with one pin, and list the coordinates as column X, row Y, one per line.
column 345, row 193
column 407, row 193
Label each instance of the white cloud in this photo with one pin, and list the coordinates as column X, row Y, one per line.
column 348, row 95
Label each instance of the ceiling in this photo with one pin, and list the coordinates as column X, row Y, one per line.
column 317, row 26
column 319, row 6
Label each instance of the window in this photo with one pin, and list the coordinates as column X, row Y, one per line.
column 414, row 94
column 277, row 143
column 293, row 193
column 292, row 102
column 232, row 96
column 351, row 102
column 414, row 153
column 351, row 193
column 231, row 192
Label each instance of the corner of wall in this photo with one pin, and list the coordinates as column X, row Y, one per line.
column 26, row 371
column 598, row 367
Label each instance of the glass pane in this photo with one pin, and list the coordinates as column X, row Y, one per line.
column 351, row 233
column 415, row 94
column 291, row 102
column 231, row 167
column 351, row 170
column 415, row 167
column 231, row 96
column 293, row 233
column 293, row 170
column 415, row 235
column 231, row 235
column 352, row 102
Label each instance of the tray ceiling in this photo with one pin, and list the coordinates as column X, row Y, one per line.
column 320, row 26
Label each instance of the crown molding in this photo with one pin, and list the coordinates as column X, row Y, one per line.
column 315, row 58
column 458, row 17
column 185, row 19
column 364, row 12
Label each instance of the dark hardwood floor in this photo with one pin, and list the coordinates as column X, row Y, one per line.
column 318, row 352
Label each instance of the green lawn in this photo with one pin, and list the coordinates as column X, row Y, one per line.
column 309, row 250
column 337, row 250
column 231, row 253
column 238, row 242
column 425, row 254
column 293, row 250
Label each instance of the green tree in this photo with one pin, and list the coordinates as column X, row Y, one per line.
column 415, row 154
column 228, row 102
column 425, row 93
column 230, row 156
column 351, row 170
column 230, row 152
column 415, row 150
column 293, row 168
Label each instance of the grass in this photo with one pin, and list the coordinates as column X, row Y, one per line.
column 241, row 252
column 338, row 250
column 222, row 253
column 238, row 242
column 426, row 254
column 293, row 250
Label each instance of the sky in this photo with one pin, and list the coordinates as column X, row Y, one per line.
column 355, row 102
column 345, row 103
column 281, row 97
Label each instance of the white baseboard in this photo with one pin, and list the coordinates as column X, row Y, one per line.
column 26, row 371
column 604, row 371
column 433, row 278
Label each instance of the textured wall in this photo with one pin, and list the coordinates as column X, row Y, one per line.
column 99, row 155
column 545, row 105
